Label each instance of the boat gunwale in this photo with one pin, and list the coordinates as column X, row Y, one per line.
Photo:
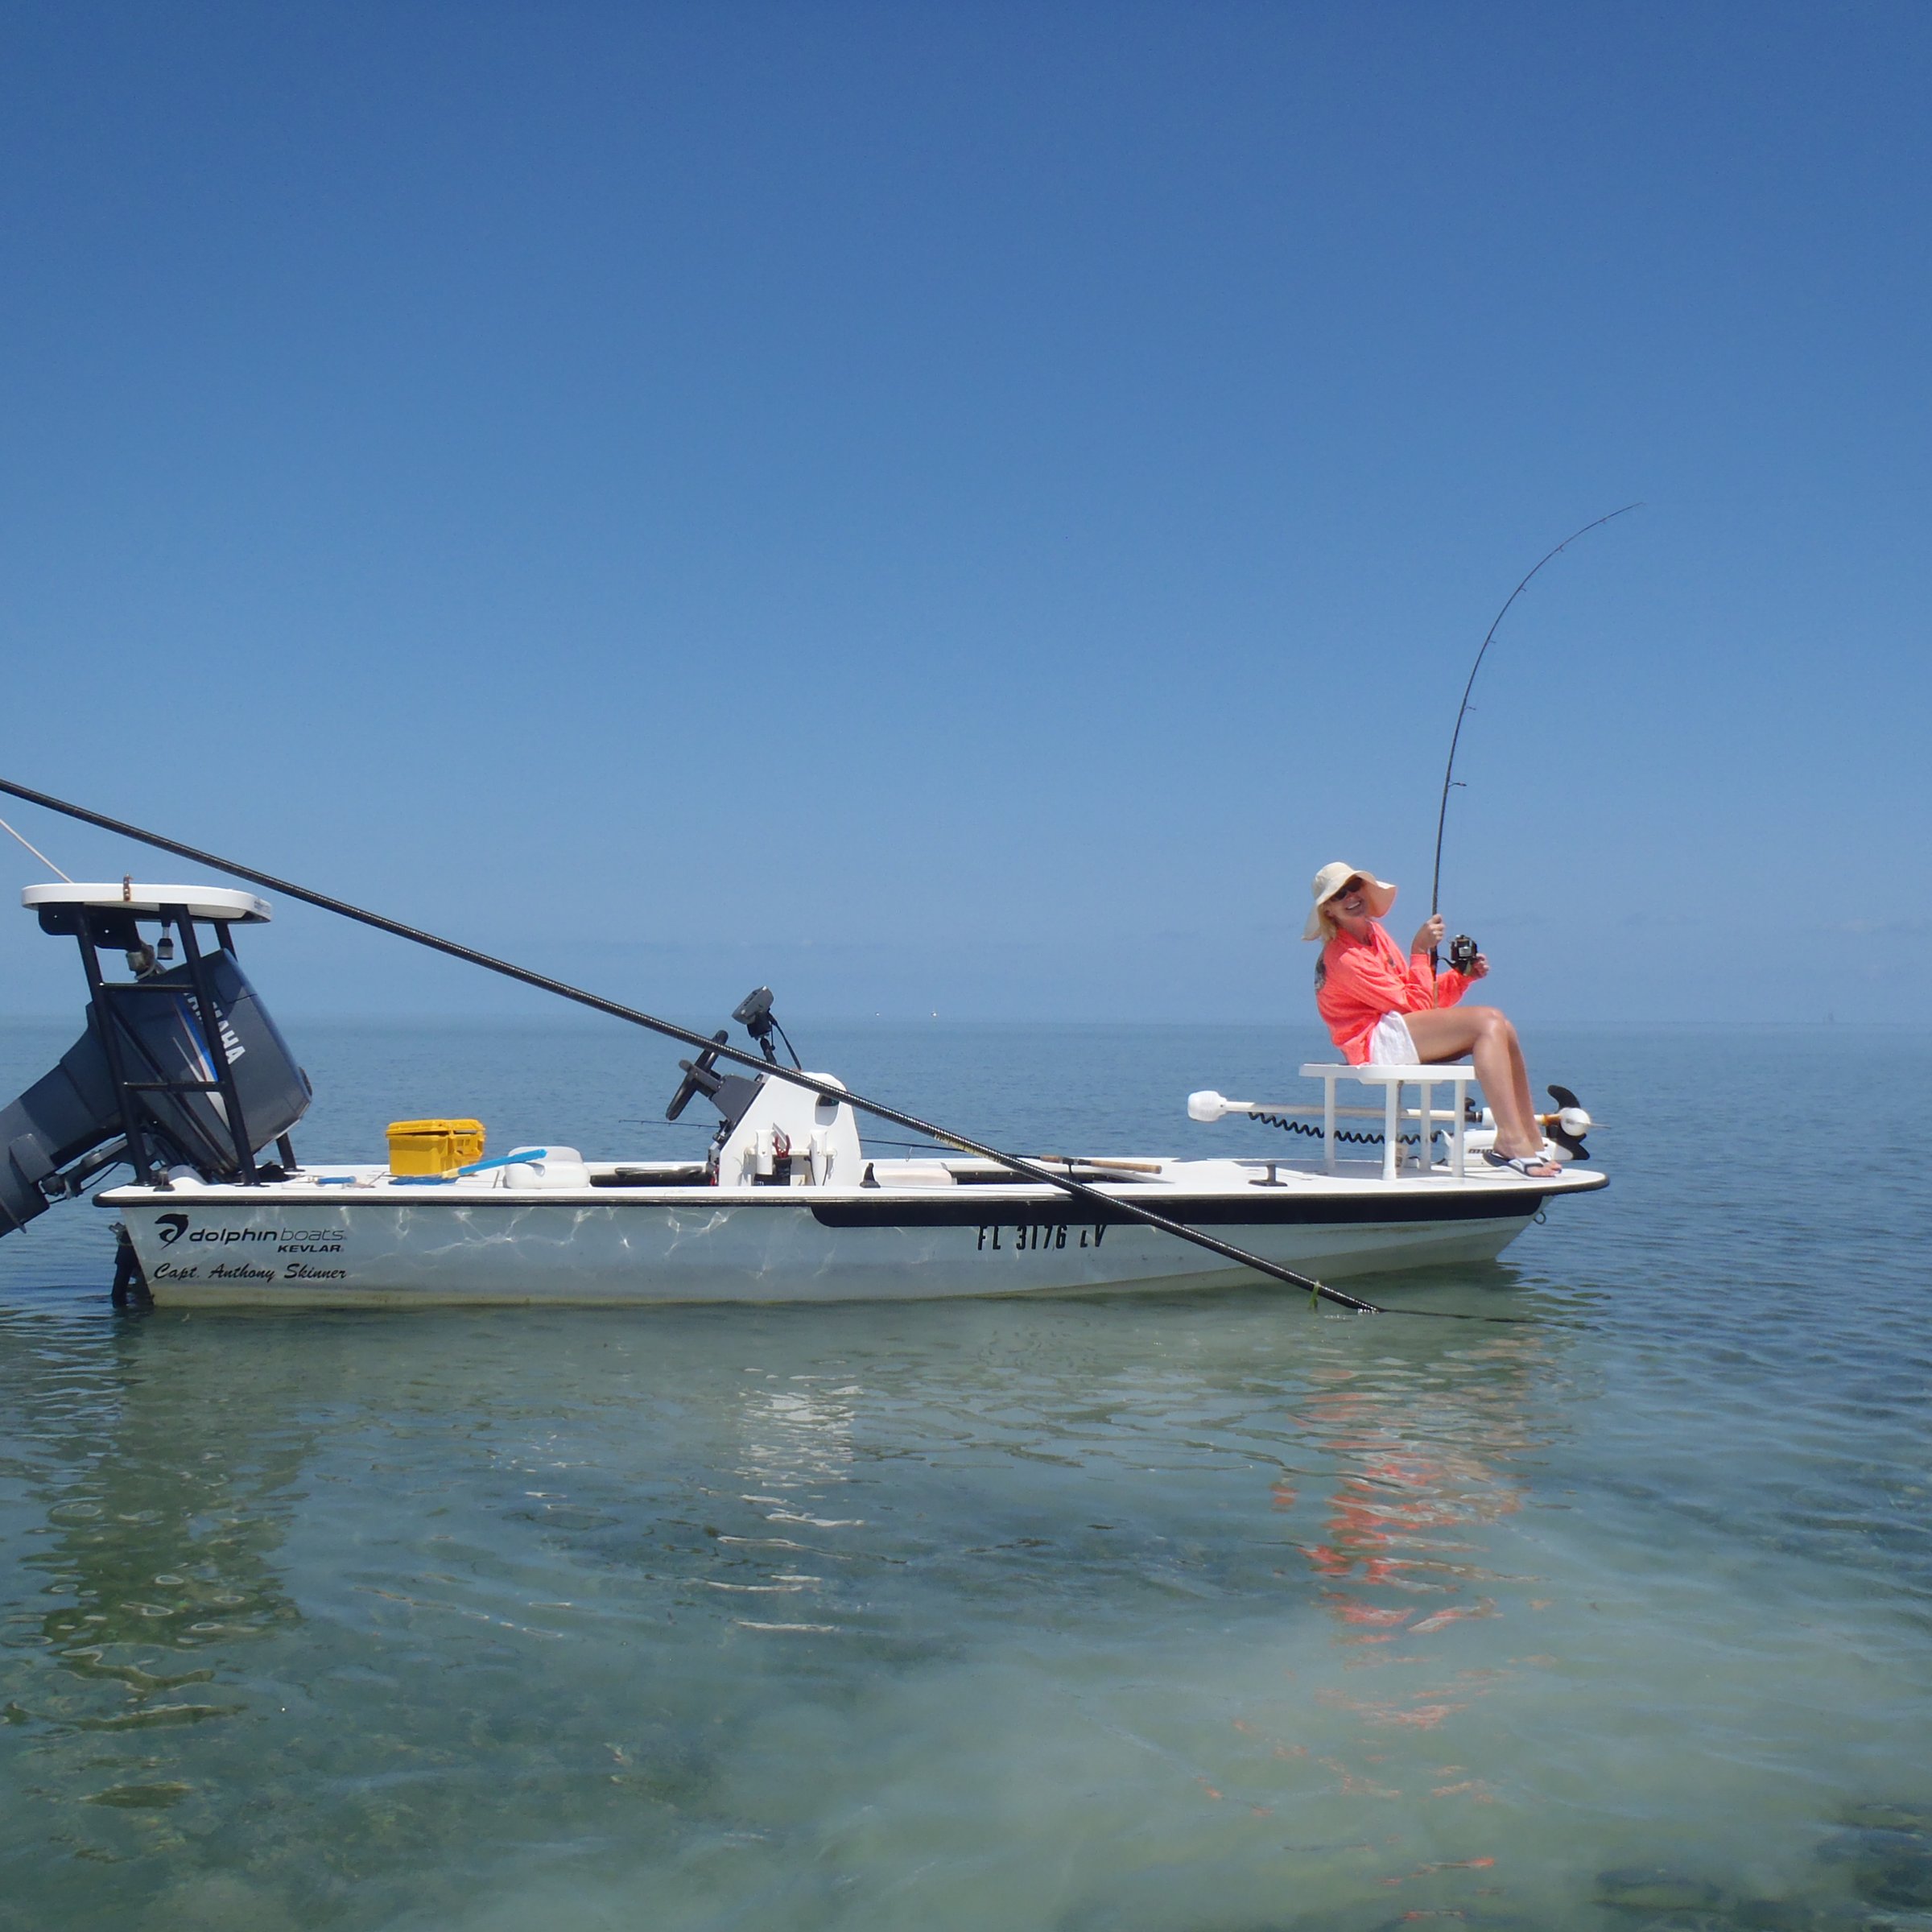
column 1300, row 1183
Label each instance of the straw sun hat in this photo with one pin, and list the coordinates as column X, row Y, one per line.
column 1329, row 880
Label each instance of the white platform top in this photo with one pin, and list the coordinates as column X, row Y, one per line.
column 202, row 902
column 1434, row 1073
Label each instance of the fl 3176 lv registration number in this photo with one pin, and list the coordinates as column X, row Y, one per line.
column 1025, row 1237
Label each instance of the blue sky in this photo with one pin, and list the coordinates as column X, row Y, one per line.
column 964, row 509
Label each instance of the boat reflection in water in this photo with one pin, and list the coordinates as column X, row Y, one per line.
column 1425, row 1471
column 156, row 1535
column 397, row 1602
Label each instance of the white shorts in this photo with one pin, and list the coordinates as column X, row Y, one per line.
column 1390, row 1045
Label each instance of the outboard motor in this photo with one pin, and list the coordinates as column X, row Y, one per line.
column 149, row 1082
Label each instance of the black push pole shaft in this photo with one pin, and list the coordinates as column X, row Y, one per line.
column 703, row 1042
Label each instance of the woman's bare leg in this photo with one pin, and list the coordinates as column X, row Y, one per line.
column 1524, row 1099
column 1447, row 1032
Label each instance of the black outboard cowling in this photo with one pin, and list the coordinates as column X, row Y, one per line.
column 69, row 1113
column 166, row 1039
column 147, row 1070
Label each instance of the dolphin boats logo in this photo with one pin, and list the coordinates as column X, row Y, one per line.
column 172, row 1226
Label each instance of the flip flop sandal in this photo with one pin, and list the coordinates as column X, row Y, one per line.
column 1525, row 1164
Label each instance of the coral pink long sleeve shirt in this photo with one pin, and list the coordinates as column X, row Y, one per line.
column 1359, row 980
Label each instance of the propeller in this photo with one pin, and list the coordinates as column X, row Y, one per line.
column 1569, row 1124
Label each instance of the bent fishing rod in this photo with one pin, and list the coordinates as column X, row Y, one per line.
column 1435, row 878
column 718, row 1049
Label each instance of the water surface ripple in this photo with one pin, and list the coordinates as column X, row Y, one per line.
column 1208, row 1613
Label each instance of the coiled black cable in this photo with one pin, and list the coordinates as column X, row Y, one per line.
column 1345, row 1133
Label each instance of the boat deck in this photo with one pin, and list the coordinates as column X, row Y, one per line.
column 1152, row 1183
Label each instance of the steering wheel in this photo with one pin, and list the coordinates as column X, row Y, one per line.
column 698, row 1075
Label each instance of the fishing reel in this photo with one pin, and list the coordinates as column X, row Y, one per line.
column 1462, row 951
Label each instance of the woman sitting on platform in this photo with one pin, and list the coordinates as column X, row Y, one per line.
column 1384, row 1009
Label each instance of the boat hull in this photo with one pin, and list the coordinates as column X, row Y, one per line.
column 279, row 1247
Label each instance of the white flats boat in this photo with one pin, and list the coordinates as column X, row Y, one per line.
column 786, row 1206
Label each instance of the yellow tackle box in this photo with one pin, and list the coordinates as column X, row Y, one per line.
column 434, row 1146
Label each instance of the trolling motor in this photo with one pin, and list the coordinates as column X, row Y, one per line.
column 1569, row 1124
column 1565, row 1127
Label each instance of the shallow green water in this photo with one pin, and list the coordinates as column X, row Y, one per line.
column 1208, row 1613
